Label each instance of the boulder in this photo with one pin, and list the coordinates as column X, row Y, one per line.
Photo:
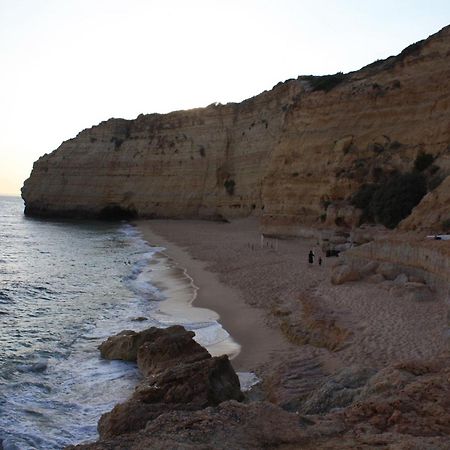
column 133, row 415
column 343, row 247
column 401, row 279
column 368, row 268
column 338, row 390
column 375, row 278
column 203, row 383
column 183, row 386
column 388, row 270
column 165, row 350
column 343, row 274
column 125, row 345
column 416, row 279
column 418, row 292
column 231, row 425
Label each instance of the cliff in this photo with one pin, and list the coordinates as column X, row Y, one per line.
column 283, row 155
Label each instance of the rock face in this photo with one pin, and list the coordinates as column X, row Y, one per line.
column 285, row 154
column 423, row 258
column 433, row 212
column 404, row 406
column 180, row 375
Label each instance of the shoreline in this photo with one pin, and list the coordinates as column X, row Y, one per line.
column 280, row 308
column 235, row 315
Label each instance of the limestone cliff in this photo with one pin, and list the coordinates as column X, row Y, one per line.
column 284, row 154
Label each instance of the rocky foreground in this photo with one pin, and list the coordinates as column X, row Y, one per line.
column 190, row 400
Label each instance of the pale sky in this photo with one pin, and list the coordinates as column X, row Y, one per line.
column 66, row 65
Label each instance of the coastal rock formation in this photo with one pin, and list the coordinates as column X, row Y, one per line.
column 402, row 406
column 292, row 155
column 179, row 375
column 433, row 212
column 154, row 349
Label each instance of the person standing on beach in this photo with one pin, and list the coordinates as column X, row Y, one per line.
column 311, row 257
column 320, row 260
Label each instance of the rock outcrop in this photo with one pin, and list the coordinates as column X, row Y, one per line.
column 404, row 406
column 179, row 375
column 284, row 155
column 421, row 259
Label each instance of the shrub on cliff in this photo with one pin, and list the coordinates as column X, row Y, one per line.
column 446, row 225
column 325, row 82
column 423, row 161
column 390, row 202
column 362, row 200
column 229, row 186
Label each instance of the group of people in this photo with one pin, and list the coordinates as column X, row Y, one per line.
column 311, row 257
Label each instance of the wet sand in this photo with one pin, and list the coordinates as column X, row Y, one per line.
column 258, row 341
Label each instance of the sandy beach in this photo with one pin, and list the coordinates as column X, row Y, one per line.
column 286, row 312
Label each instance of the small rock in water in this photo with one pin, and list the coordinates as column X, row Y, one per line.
column 40, row 366
column 139, row 319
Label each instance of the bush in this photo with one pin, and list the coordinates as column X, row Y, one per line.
column 325, row 82
column 395, row 145
column 423, row 161
column 390, row 202
column 435, row 181
column 229, row 186
column 446, row 225
column 363, row 200
column 394, row 200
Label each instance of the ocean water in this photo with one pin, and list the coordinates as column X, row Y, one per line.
column 64, row 288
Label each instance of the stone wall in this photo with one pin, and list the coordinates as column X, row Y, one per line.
column 428, row 258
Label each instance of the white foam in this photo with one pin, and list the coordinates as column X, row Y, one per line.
column 247, row 380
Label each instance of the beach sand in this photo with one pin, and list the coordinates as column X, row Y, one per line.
column 285, row 312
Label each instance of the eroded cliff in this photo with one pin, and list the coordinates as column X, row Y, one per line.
column 284, row 154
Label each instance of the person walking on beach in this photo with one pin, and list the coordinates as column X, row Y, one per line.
column 320, row 260
column 311, row 257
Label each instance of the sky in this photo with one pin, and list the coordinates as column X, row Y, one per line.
column 66, row 65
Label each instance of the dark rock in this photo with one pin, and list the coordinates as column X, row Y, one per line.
column 231, row 425
column 125, row 344
column 187, row 386
column 404, row 406
column 133, row 415
column 338, row 391
column 165, row 350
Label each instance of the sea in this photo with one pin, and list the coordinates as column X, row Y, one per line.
column 65, row 287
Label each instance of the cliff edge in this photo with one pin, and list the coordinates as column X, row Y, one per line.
column 284, row 155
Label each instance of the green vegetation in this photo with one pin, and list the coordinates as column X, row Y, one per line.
column 325, row 82
column 413, row 49
column 446, row 225
column 435, row 181
column 117, row 142
column 423, row 161
column 229, row 186
column 391, row 201
column 395, row 145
